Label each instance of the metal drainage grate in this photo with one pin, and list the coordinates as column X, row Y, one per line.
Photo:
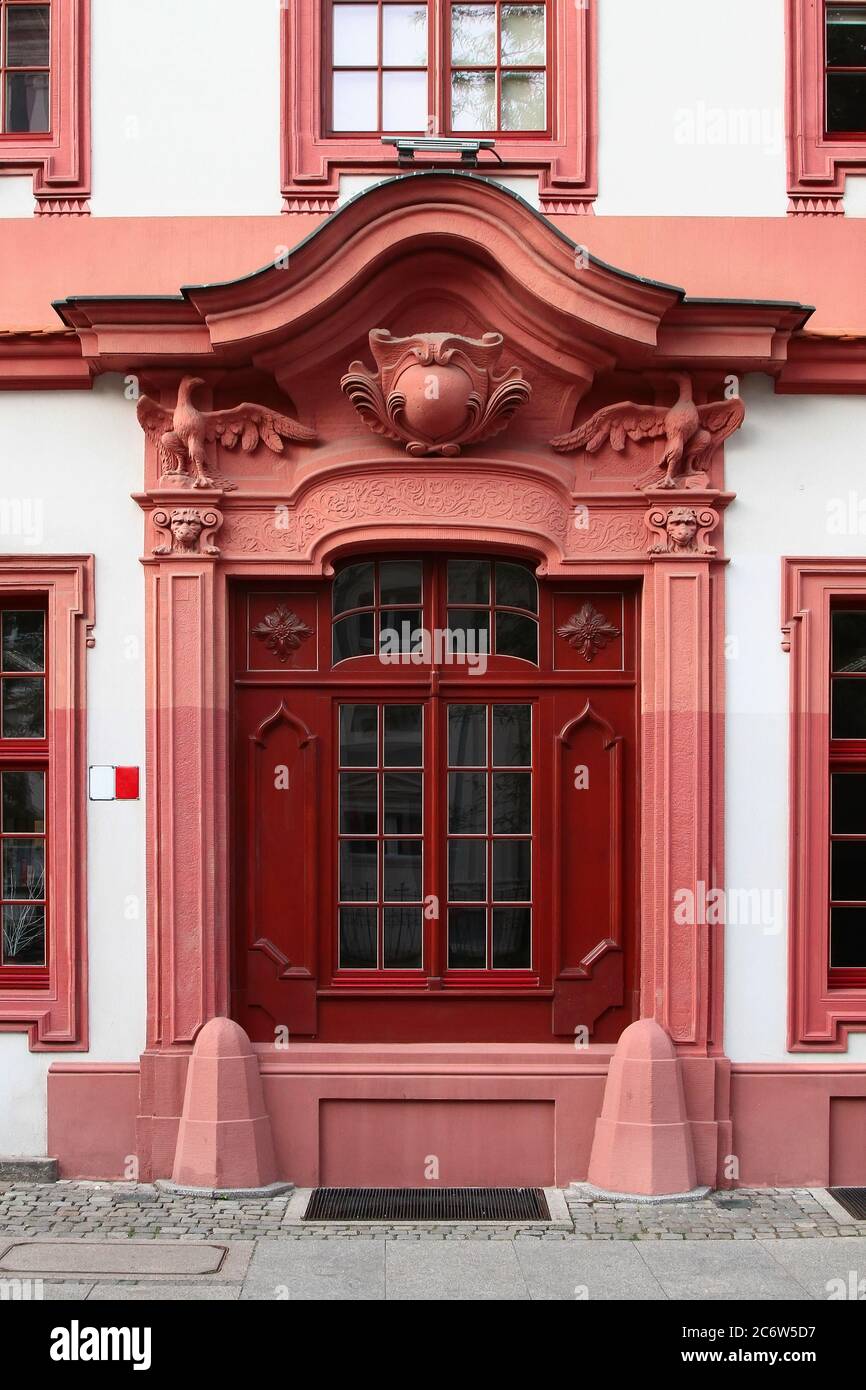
column 427, row 1204
column 853, row 1199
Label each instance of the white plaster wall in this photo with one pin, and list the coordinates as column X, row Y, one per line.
column 76, row 457
column 186, row 108
column 795, row 457
column 16, row 196
column 691, row 108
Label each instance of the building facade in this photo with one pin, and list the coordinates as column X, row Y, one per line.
column 434, row 581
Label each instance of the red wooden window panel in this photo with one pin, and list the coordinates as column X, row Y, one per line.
column 847, row 795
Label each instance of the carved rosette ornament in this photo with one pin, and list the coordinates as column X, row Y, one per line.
column 188, row 531
column 435, row 392
column 681, row 530
column 588, row 631
column 282, row 632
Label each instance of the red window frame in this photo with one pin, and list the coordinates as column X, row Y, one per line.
column 818, row 160
column 6, row 6
column 839, row 134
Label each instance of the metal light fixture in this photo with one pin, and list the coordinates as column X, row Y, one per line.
column 409, row 145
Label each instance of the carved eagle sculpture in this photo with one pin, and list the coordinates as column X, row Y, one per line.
column 181, row 435
column 692, row 431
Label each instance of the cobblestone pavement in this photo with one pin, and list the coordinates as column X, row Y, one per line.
column 101, row 1211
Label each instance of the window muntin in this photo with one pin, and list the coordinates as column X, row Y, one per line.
column 845, row 70
column 23, row 792
column 25, row 63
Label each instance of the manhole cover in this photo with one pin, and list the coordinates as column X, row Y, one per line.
column 104, row 1257
column 427, row 1204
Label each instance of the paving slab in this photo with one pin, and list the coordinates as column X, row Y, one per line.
column 449, row 1270
column 579, row 1270
column 824, row 1266
column 326, row 1269
column 127, row 1259
column 720, row 1270
column 165, row 1293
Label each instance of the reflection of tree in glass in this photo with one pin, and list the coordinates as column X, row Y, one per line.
column 523, row 34
column 23, row 925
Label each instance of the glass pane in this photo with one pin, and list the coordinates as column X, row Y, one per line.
column 352, row 636
column 23, row 802
column 512, row 871
column 355, row 101
column 848, row 719
column 849, row 803
column 848, row 936
column 846, row 101
column 467, row 803
column 355, row 36
column 399, row 582
column 405, row 105
column 468, row 632
column 358, row 735
column 517, row 636
column 402, row 932
column 523, row 34
column 402, row 810
column 404, row 36
column 849, row 641
column 403, row 736
column 24, row 869
column 24, row 641
column 512, row 938
column 473, row 34
column 24, row 935
column 516, row 587
column 512, row 803
column 402, row 882
column 400, row 631
column 353, row 588
column 467, row 871
column 26, row 102
column 358, row 812
column 473, row 101
column 846, row 36
column 512, row 735
column 468, row 581
column 23, row 712
column 467, row 735
column 358, row 870
column 27, row 43
column 848, row 877
column 358, row 938
column 467, row 938
column 523, row 101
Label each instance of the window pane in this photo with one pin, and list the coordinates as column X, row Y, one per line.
column 402, row 932
column 358, row 811
column 353, row 588
column 24, row 869
column 468, row 581
column 516, row 587
column 467, row 871
column 517, row 636
column 512, row 938
column 512, row 871
column 848, row 936
column 467, row 735
column 24, row 935
column 523, row 34
column 24, row 641
column 27, row 43
column 355, row 101
column 846, row 101
column 399, row 582
column 467, row 938
column 403, row 736
column 846, row 36
column 848, row 718
column 849, row 641
column 468, row 631
column 398, row 629
column 402, row 810
column 352, row 636
column 23, row 712
column 26, row 102
column 512, row 735
column 467, row 803
column 523, row 101
column 849, row 803
column 23, row 802
column 404, row 101
column 355, row 36
column 358, row 735
column 358, row 870
column 473, row 34
column 404, row 36
column 512, row 803
column 358, row 938
column 402, row 883
column 848, row 877
column 473, row 101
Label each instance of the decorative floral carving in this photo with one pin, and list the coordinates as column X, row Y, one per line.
column 188, row 531
column 282, row 632
column 611, row 534
column 682, row 530
column 588, row 631
column 182, row 434
column 435, row 392
column 692, row 432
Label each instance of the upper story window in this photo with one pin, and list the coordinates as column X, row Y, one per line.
column 25, row 67
column 845, row 70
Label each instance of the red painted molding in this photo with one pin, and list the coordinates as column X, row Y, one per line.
column 55, row 1019
column 43, row 360
column 819, row 1018
column 60, row 161
column 565, row 162
column 817, row 163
